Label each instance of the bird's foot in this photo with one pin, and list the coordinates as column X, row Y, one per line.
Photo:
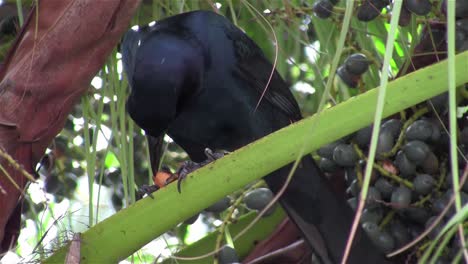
column 146, row 189
column 190, row 166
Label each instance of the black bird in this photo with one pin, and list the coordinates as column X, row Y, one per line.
column 199, row 78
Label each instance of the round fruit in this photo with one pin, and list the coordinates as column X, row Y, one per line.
column 437, row 229
column 400, row 233
column 363, row 136
column 353, row 203
column 258, row 199
column 385, row 187
column 449, row 180
column 370, row 9
column 192, row 219
column 401, row 197
column 323, row 8
column 440, row 103
column 373, row 198
column 345, row 155
column 354, row 188
column 430, row 164
column 439, row 204
column 356, row 64
column 327, row 165
column 385, row 242
column 393, row 126
column 423, row 183
column 416, row 151
column 405, row 17
column 464, row 136
column 418, row 7
column 370, row 215
column 351, row 175
column 227, row 255
column 348, row 78
column 416, row 214
column 385, row 142
column 406, row 167
column 371, row 228
column 461, row 8
column 436, row 133
column 219, row 206
column 327, row 150
column 419, row 130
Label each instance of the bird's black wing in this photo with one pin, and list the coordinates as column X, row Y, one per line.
column 255, row 69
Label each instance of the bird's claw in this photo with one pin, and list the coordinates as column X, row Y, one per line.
column 146, row 189
column 214, row 155
column 190, row 166
column 184, row 170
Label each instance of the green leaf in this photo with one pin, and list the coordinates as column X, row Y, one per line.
column 111, row 160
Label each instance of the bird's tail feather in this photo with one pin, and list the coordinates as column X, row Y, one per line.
column 324, row 219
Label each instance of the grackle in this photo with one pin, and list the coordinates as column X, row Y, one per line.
column 198, row 78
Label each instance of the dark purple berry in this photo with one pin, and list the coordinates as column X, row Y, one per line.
column 371, row 215
column 424, row 184
column 405, row 17
column 385, row 242
column 393, row 126
column 350, row 175
column 419, row 130
column 323, row 8
column 416, row 151
column 353, row 203
column 258, row 199
column 348, row 78
column 228, row 255
column 327, row 150
column 439, row 204
column 416, row 214
column 345, row 155
column 219, row 206
column 418, row 7
column 385, row 187
column 370, row 9
column 437, row 229
column 461, row 8
column 400, row 233
column 404, row 165
column 462, row 25
column 440, row 103
column 192, row 219
column 449, row 180
column 401, row 197
column 356, row 64
column 363, row 136
column 430, row 164
column 373, row 198
column 371, row 228
column 327, row 165
column 464, row 136
column 436, row 133
column 385, row 142
column 354, row 188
